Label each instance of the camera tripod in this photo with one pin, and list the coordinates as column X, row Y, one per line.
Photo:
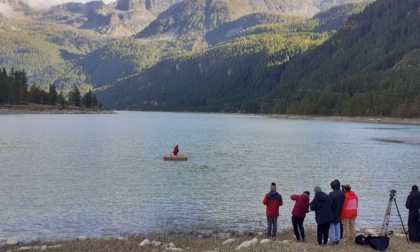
column 385, row 224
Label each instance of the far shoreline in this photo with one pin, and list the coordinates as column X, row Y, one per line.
column 362, row 119
column 49, row 109
column 55, row 109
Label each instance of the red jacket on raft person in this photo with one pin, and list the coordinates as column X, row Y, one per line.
column 176, row 150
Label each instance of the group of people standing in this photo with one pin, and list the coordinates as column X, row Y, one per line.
column 335, row 213
column 332, row 212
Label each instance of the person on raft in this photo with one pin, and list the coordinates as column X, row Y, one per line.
column 176, row 150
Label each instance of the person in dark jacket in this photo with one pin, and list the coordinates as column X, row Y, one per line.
column 338, row 198
column 413, row 204
column 273, row 201
column 299, row 213
column 322, row 204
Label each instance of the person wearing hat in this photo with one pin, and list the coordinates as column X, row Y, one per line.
column 299, row 213
column 322, row 204
column 273, row 201
column 349, row 214
column 413, row 204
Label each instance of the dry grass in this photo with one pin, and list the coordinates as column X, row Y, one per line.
column 397, row 244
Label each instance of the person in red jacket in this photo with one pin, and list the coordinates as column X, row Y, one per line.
column 273, row 201
column 299, row 213
column 176, row 150
column 349, row 214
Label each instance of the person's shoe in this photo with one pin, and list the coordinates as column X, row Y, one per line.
column 336, row 242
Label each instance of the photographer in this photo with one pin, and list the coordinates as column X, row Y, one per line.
column 413, row 204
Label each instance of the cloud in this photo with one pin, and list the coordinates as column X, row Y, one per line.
column 44, row 4
column 9, row 13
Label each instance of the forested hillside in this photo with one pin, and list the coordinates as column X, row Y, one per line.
column 368, row 68
column 359, row 71
column 223, row 77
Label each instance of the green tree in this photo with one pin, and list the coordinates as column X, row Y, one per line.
column 87, row 100
column 52, row 95
column 74, row 96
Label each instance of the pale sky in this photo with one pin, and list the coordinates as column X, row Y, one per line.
column 7, row 11
column 41, row 4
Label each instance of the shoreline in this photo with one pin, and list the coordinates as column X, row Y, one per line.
column 48, row 109
column 247, row 241
column 53, row 109
column 364, row 119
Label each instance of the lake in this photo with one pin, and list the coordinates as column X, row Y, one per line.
column 103, row 175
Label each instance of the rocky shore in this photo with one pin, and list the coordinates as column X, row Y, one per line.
column 247, row 241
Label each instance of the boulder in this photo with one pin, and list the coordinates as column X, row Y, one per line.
column 371, row 231
column 145, row 242
column 156, row 243
column 122, row 238
column 81, row 238
column 399, row 235
column 55, row 246
column 44, row 247
column 228, row 241
column 24, row 248
column 247, row 244
column 12, row 241
column 265, row 241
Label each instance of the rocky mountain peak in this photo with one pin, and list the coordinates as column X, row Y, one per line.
column 126, row 5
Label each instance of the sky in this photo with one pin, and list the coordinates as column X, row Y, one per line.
column 7, row 11
column 39, row 4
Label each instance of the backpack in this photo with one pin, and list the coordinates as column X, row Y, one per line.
column 361, row 240
column 379, row 243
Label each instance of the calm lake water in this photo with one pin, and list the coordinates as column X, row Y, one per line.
column 103, row 175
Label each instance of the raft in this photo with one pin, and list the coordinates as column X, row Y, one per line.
column 175, row 158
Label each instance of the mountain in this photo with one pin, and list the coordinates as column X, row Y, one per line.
column 233, row 44
column 363, row 69
column 370, row 67
column 206, row 15
column 224, row 76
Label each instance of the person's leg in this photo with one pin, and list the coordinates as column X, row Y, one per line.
column 274, row 228
column 326, row 231
column 352, row 229
column 269, row 226
column 337, row 233
column 346, row 230
column 332, row 232
column 319, row 232
column 295, row 227
column 412, row 229
column 418, row 229
column 300, row 226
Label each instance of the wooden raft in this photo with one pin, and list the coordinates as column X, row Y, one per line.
column 175, row 158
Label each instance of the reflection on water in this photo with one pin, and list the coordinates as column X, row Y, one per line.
column 406, row 140
column 104, row 175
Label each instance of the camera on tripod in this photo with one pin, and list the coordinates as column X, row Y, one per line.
column 392, row 193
